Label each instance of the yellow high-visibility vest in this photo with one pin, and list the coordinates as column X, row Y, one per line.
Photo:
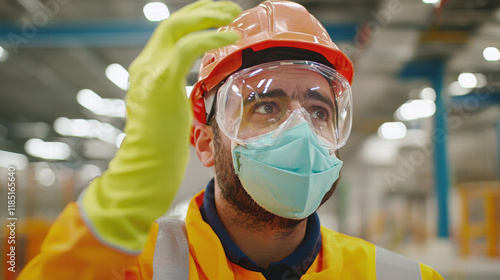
column 191, row 250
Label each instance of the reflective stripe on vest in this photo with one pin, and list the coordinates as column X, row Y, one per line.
column 390, row 265
column 171, row 256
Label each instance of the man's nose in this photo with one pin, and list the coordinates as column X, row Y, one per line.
column 294, row 105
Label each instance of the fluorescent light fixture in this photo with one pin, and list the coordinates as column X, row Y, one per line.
column 101, row 106
column 62, row 125
column 467, row 80
column 392, row 130
column 87, row 129
column 156, row 11
column 416, row 109
column 47, row 150
column 19, row 161
column 90, row 100
column 427, row 93
column 431, row 1
column 118, row 75
column 472, row 80
column 491, row 54
column 115, row 107
column 3, row 54
column 455, row 89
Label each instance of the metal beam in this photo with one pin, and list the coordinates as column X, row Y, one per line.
column 70, row 34
column 110, row 33
column 479, row 100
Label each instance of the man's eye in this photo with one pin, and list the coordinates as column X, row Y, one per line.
column 266, row 108
column 320, row 114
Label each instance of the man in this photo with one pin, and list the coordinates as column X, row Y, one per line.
column 272, row 107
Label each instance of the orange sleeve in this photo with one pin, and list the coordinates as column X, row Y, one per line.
column 71, row 251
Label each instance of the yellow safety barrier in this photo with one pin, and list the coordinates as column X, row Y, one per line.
column 480, row 225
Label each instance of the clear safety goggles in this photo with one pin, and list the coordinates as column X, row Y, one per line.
column 271, row 97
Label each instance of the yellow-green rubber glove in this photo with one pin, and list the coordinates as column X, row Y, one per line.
column 143, row 177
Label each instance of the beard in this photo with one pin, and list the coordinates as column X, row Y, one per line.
column 251, row 215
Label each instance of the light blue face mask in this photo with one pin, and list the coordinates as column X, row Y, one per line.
column 291, row 177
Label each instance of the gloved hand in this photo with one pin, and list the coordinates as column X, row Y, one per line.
column 146, row 172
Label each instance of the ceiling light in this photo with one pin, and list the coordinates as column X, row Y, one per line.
column 456, row 89
column 115, row 107
column 156, row 11
column 3, row 54
column 47, row 150
column 491, row 54
column 101, row 106
column 81, row 128
column 392, row 130
column 467, row 80
column 90, row 100
column 19, row 161
column 431, row 1
column 415, row 109
column 427, row 93
column 118, row 75
column 87, row 129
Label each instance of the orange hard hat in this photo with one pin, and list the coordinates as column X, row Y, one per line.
column 274, row 30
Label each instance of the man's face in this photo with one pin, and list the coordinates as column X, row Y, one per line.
column 233, row 192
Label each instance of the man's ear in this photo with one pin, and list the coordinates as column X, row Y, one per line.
column 203, row 141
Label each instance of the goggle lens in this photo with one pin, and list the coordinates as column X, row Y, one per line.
column 258, row 100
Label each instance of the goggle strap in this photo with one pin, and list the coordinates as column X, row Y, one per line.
column 210, row 103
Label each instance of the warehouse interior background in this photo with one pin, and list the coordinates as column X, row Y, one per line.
column 421, row 171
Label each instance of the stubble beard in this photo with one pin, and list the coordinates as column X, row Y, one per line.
column 251, row 215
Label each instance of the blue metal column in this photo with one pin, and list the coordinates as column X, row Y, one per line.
column 440, row 137
column 434, row 71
